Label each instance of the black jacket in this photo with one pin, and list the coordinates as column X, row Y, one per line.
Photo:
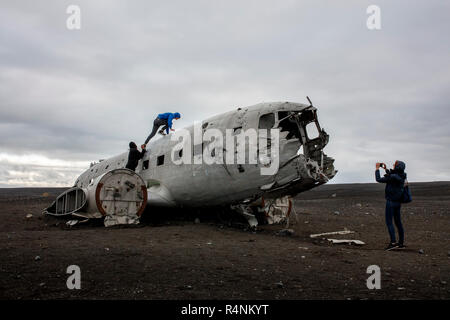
column 395, row 180
column 133, row 157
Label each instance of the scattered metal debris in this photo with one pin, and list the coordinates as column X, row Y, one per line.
column 71, row 223
column 278, row 210
column 247, row 213
column 331, row 233
column 346, row 241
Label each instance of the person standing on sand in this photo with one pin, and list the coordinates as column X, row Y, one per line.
column 395, row 181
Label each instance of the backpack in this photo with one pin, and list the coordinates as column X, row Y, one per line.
column 406, row 194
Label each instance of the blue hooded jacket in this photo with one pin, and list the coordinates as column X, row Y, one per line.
column 395, row 180
column 169, row 116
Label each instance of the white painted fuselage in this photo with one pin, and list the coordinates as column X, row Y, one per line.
column 302, row 164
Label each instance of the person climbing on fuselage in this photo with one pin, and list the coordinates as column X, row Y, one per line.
column 134, row 156
column 165, row 120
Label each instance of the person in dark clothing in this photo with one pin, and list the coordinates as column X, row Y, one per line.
column 134, row 156
column 165, row 120
column 395, row 182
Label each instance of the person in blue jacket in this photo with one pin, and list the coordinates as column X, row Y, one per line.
column 395, row 181
column 165, row 120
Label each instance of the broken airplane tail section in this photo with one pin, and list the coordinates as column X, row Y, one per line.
column 119, row 196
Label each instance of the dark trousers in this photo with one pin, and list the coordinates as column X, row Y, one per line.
column 393, row 212
column 130, row 166
column 156, row 124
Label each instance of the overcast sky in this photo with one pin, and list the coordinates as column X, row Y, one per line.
column 69, row 97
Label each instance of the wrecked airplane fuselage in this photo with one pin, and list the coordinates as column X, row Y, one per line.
column 175, row 175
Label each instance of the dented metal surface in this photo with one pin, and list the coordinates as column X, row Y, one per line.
column 302, row 163
column 278, row 210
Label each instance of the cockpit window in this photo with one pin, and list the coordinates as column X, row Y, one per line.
column 267, row 121
column 288, row 124
column 311, row 131
column 283, row 114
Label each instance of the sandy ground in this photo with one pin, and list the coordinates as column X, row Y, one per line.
column 178, row 259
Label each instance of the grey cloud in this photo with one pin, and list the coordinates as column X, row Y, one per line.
column 12, row 175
